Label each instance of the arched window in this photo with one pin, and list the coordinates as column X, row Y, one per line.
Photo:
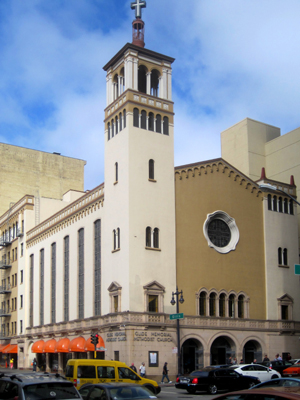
column 116, row 172
column 136, row 117
column 291, row 207
column 202, row 304
column 119, row 237
column 144, row 120
column 124, row 118
column 212, row 305
column 269, row 202
column 114, row 239
column 158, row 123
column 108, row 131
column 142, row 79
column 166, row 125
column 112, row 128
column 280, row 204
column 151, row 169
column 155, row 83
column 275, row 203
column 241, row 306
column 116, row 86
column 151, row 122
column 117, row 125
column 156, row 238
column 279, row 256
column 285, row 206
column 285, row 257
column 231, row 305
column 148, row 236
column 120, row 121
column 122, row 80
column 222, row 305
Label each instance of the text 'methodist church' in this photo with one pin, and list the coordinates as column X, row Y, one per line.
column 108, row 260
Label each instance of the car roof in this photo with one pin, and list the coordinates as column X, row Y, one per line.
column 28, row 378
column 112, row 384
column 271, row 391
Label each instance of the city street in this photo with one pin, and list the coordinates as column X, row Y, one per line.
column 170, row 392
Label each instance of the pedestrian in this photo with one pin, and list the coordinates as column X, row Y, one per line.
column 142, row 370
column 165, row 373
column 288, row 357
column 34, row 365
column 234, row 361
column 11, row 363
column 133, row 367
column 241, row 361
column 266, row 358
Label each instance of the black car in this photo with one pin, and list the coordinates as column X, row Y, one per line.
column 278, row 365
column 280, row 382
column 212, row 380
column 116, row 391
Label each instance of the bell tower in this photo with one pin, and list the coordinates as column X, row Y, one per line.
column 139, row 224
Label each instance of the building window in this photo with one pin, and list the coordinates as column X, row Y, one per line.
column 22, row 250
column 148, row 236
column 124, row 118
column 81, row 273
column 154, row 294
column 31, row 275
column 108, row 131
column 151, row 122
column 42, row 275
column 282, row 256
column 222, row 305
column 21, row 301
column 115, row 303
column 156, row 238
column 144, row 119
column 97, row 266
column 275, row 203
column 153, row 303
column 285, row 206
column 166, row 126
column 116, row 239
column 280, row 204
column 158, row 123
column 136, row 117
column 120, row 121
column 285, row 307
column 212, row 305
column 202, row 304
column 284, row 312
column 115, row 297
column 151, row 169
column 53, row 282
column 241, row 306
column 66, row 277
column 152, row 238
column 21, row 276
column 117, row 125
column 291, row 207
column 231, row 306
column 21, row 326
column 112, row 128
column 155, row 82
column 285, row 257
column 116, row 172
column 142, row 79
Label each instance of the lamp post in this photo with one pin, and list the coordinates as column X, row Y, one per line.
column 266, row 187
column 173, row 302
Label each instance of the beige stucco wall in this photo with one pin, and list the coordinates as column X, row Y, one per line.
column 27, row 171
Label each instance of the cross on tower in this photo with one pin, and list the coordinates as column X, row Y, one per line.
column 138, row 5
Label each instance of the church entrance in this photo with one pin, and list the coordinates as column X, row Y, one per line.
column 192, row 355
column 252, row 351
column 222, row 348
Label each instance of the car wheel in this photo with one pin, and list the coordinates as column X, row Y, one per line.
column 274, row 377
column 251, row 384
column 191, row 390
column 212, row 389
column 151, row 388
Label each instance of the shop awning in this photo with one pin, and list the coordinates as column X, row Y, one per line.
column 77, row 345
column 11, row 349
column 49, row 346
column 90, row 347
column 62, row 346
column 37, row 347
column 3, row 346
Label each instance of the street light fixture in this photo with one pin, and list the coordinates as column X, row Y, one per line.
column 265, row 187
column 173, row 302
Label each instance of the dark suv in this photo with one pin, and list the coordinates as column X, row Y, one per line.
column 278, row 365
column 36, row 386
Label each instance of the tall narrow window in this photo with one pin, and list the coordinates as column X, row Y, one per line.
column 158, row 123
column 284, row 312
column 97, row 267
column 117, row 125
column 202, row 304
column 116, row 172
column 280, row 256
column 156, row 238
column 280, row 204
column 53, row 283
column 120, row 121
column 144, row 119
column 166, row 125
column 31, row 275
column 231, row 306
column 148, row 236
column 285, row 206
column 153, row 303
column 291, row 207
column 151, row 169
column 42, row 275
column 269, row 202
column 112, row 128
column 114, row 239
column 212, row 305
column 285, row 257
column 118, row 237
column 142, row 79
column 222, row 305
column 66, row 277
column 275, row 203
column 116, row 304
column 155, row 83
column 241, row 306
column 81, row 273
column 108, row 131
column 136, row 117
column 124, row 118
column 151, row 122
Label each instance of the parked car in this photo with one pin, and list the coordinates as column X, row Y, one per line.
column 108, row 391
column 277, row 365
column 260, row 371
column 212, row 380
column 272, row 393
column 292, row 371
column 24, row 386
column 280, row 382
column 295, row 361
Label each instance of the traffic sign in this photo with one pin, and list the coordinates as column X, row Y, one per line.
column 297, row 269
column 176, row 316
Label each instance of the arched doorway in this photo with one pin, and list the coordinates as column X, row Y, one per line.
column 192, row 355
column 222, row 348
column 252, row 351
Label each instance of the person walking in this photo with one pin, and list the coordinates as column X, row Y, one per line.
column 34, row 365
column 143, row 370
column 133, row 367
column 165, row 373
column 266, row 358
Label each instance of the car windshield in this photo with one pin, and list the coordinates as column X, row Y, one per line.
column 130, row 393
column 50, row 390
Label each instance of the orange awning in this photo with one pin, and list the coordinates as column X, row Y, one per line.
column 90, row 347
column 37, row 347
column 49, row 346
column 11, row 349
column 62, row 346
column 77, row 344
column 3, row 346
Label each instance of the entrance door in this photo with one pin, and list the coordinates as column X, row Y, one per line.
column 192, row 355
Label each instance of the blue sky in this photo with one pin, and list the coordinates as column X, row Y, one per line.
column 234, row 59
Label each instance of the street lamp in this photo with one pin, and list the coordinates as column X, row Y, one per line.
column 266, row 187
column 173, row 302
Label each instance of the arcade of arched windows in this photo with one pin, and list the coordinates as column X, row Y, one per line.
column 118, row 86
column 222, row 304
column 148, row 81
column 277, row 203
column 116, row 124
column 150, row 122
column 282, row 257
